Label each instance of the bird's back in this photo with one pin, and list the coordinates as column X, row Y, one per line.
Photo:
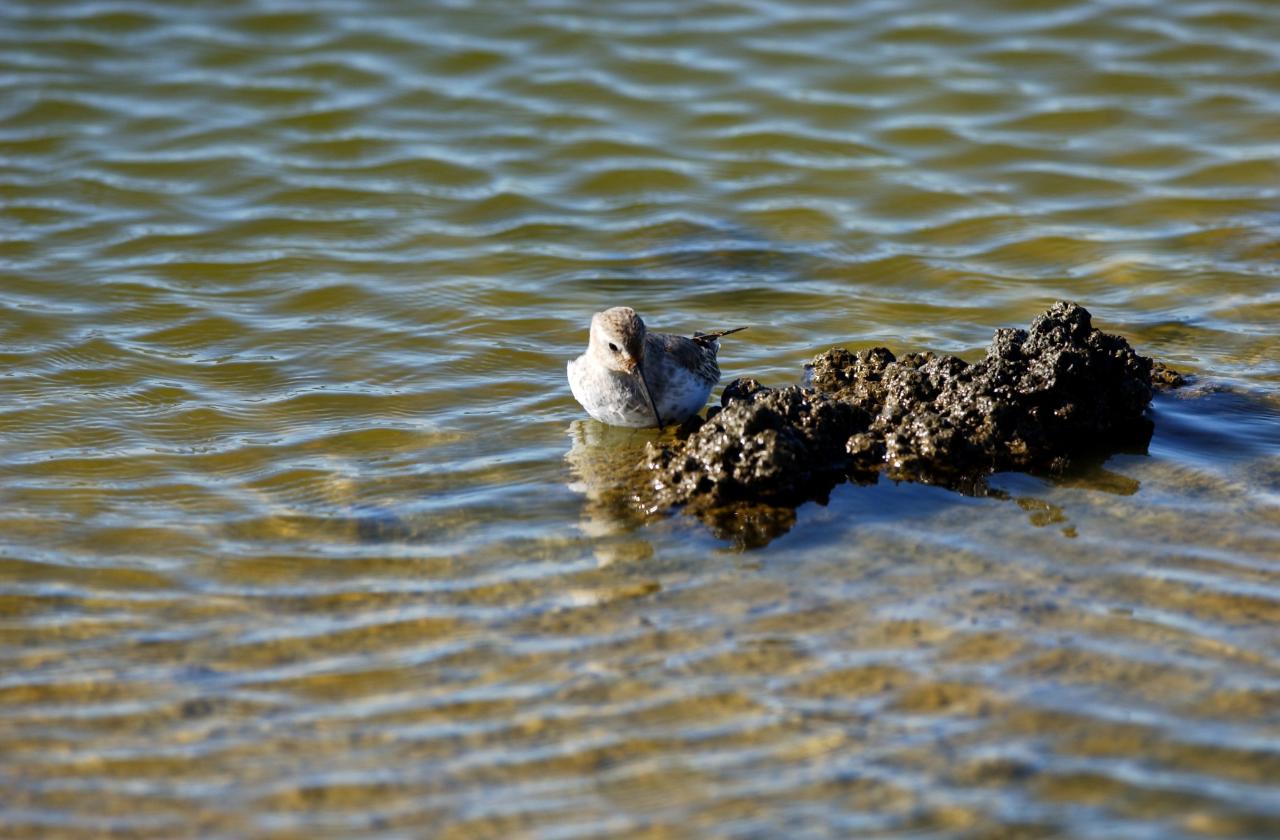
column 683, row 378
column 696, row 355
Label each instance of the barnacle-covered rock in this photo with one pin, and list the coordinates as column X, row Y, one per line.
column 1039, row 397
column 777, row 446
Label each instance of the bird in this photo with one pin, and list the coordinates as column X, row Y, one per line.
column 632, row 377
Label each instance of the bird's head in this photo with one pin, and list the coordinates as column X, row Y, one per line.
column 617, row 338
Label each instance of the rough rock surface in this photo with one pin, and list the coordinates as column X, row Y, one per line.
column 1039, row 397
column 1165, row 378
column 764, row 445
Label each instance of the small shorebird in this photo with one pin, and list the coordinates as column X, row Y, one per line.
column 632, row 377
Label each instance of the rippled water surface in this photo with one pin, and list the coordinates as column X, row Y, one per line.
column 302, row 534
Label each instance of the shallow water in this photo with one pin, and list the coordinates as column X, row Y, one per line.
column 303, row 535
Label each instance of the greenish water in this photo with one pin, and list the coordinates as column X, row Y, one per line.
column 302, row 534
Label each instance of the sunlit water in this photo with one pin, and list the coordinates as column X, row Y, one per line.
column 302, row 534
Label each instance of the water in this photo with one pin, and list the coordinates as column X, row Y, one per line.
column 302, row 534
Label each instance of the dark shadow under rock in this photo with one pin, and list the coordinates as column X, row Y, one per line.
column 1042, row 396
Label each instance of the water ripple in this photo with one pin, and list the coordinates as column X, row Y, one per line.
column 303, row 534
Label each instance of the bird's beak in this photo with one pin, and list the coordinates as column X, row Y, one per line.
column 644, row 386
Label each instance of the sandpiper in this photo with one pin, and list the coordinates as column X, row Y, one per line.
column 632, row 377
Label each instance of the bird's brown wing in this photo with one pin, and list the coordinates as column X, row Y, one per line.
column 689, row 353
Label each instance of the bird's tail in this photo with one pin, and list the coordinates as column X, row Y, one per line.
column 718, row 334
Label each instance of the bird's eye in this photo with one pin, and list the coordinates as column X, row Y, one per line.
column 613, row 347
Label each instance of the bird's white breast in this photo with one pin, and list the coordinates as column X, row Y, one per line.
column 607, row 396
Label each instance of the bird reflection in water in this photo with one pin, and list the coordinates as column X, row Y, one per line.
column 604, row 462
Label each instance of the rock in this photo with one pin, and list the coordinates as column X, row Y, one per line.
column 1165, row 378
column 764, row 445
column 1039, row 397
